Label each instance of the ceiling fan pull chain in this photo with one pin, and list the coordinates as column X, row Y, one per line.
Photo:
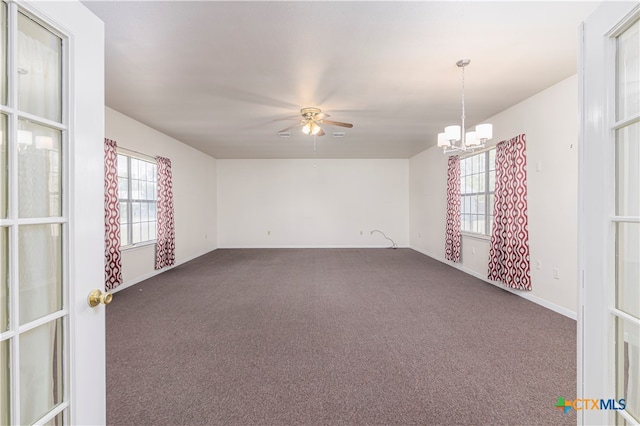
column 315, row 164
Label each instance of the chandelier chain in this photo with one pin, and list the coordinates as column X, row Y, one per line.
column 463, row 96
column 462, row 130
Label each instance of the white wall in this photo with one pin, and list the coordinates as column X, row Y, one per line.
column 549, row 120
column 428, row 200
column 336, row 203
column 312, row 203
column 194, row 192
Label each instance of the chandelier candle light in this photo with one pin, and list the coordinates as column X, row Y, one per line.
column 456, row 138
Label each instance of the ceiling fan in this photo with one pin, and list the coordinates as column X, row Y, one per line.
column 311, row 119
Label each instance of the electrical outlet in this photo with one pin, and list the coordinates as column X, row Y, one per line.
column 268, row 232
column 538, row 264
column 556, row 273
column 473, row 250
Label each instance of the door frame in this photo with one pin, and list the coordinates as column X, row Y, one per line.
column 596, row 298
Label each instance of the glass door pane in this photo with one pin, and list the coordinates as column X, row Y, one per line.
column 39, row 70
column 628, row 366
column 5, row 395
column 628, row 72
column 628, row 268
column 3, row 53
column 39, row 164
column 4, row 168
column 628, row 170
column 40, row 270
column 56, row 421
column 40, row 371
column 4, row 279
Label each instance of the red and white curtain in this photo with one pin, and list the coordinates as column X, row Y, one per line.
column 452, row 241
column 165, row 241
column 509, row 253
column 113, row 260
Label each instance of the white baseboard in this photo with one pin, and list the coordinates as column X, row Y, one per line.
column 524, row 294
column 156, row 272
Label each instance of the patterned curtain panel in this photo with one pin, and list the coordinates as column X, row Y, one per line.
column 165, row 245
column 113, row 261
column 452, row 242
column 509, row 252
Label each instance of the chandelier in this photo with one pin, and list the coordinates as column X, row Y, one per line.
column 455, row 138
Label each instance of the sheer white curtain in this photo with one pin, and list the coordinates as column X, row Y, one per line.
column 39, row 71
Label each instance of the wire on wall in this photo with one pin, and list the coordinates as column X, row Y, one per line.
column 393, row 243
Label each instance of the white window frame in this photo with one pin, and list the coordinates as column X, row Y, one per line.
column 129, row 222
column 488, row 191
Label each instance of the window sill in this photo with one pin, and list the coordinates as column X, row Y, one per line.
column 476, row 236
column 137, row 246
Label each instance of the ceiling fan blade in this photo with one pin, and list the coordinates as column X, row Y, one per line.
column 337, row 123
column 290, row 127
column 321, row 116
column 321, row 133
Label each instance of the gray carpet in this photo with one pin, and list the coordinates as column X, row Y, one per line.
column 333, row 336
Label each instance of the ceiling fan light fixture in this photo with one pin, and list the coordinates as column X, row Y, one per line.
column 312, row 118
column 311, row 128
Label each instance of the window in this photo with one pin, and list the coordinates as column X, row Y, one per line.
column 477, row 182
column 137, row 190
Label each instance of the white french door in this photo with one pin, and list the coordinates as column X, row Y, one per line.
column 51, row 214
column 609, row 259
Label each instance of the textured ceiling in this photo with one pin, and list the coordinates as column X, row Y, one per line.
column 220, row 76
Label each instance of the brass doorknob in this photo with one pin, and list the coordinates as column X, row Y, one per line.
column 97, row 297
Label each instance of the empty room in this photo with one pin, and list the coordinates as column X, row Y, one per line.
column 323, row 213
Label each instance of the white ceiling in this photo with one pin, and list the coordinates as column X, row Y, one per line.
column 219, row 75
